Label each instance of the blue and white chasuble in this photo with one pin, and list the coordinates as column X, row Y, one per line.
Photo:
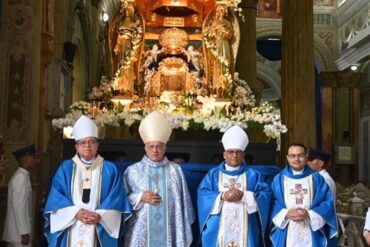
column 306, row 189
column 166, row 224
column 240, row 223
column 107, row 198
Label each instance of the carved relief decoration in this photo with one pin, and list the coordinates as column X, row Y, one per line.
column 269, row 9
column 18, row 65
column 352, row 19
column 324, row 3
column 322, row 19
column 328, row 38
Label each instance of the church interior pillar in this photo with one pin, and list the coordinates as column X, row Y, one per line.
column 298, row 83
column 247, row 65
column 340, row 135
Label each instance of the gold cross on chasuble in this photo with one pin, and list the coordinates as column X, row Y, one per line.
column 299, row 193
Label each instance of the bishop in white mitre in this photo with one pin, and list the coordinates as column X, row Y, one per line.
column 86, row 203
column 233, row 200
column 157, row 190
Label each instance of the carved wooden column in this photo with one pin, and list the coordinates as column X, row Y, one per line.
column 298, row 83
column 46, row 54
column 341, row 116
column 247, row 64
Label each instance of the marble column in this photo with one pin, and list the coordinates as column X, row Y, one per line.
column 246, row 60
column 298, row 74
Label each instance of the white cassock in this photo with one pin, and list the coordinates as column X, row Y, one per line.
column 329, row 181
column 19, row 208
column 298, row 193
column 367, row 221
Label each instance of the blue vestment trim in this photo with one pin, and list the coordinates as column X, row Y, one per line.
column 157, row 232
column 112, row 197
column 208, row 192
column 322, row 204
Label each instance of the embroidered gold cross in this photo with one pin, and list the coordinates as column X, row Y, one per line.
column 299, row 193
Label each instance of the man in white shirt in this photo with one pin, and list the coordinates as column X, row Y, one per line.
column 18, row 222
column 366, row 232
column 317, row 160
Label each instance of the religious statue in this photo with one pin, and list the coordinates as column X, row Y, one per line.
column 124, row 53
column 193, row 57
column 220, row 33
column 151, row 56
column 177, row 68
column 148, row 75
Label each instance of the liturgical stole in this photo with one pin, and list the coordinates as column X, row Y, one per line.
column 86, row 183
column 298, row 193
column 233, row 226
column 158, row 227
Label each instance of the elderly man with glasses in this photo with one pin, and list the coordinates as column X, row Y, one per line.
column 233, row 202
column 86, row 200
column 156, row 187
column 303, row 212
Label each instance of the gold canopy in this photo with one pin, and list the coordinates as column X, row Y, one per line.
column 192, row 12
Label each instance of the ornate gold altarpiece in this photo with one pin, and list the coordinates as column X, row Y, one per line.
column 170, row 47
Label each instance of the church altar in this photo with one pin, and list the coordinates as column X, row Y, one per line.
column 177, row 57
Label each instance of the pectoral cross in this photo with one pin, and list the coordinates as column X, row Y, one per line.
column 299, row 193
column 232, row 182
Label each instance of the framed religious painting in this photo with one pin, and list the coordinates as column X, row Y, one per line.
column 344, row 154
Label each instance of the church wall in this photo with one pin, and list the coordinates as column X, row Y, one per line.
column 19, row 78
column 19, row 75
column 76, row 22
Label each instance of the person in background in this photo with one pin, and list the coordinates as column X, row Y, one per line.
column 86, row 200
column 303, row 211
column 233, row 202
column 157, row 190
column 318, row 160
column 366, row 232
column 18, row 221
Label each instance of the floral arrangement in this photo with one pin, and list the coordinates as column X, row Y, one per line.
column 104, row 92
column 234, row 6
column 195, row 112
column 240, row 94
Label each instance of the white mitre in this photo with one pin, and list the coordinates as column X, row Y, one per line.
column 155, row 127
column 84, row 127
column 235, row 138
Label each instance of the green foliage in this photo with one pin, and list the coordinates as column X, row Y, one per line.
column 195, row 125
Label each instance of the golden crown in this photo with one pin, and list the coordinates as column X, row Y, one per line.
column 173, row 40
